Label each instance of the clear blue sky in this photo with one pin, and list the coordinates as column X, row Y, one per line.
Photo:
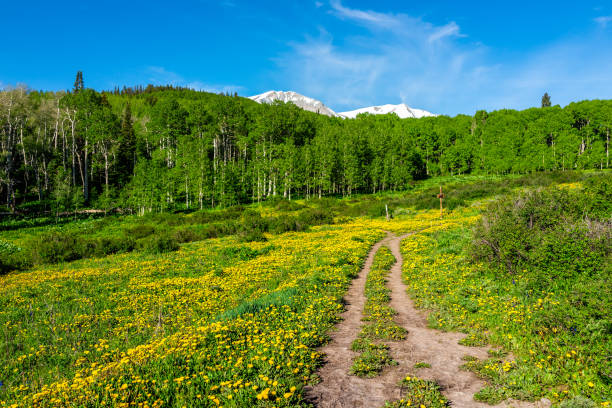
column 445, row 56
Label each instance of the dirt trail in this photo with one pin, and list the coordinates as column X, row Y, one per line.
column 338, row 389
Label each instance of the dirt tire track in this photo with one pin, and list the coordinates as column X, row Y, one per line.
column 338, row 389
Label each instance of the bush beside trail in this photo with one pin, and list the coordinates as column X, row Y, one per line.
column 551, row 249
column 548, row 233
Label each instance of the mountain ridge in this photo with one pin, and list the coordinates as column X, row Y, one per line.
column 302, row 101
column 313, row 105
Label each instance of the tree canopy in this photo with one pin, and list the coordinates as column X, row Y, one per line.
column 164, row 148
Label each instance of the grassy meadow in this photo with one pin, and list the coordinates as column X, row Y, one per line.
column 228, row 307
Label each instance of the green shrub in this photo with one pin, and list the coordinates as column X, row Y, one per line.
column 54, row 247
column 217, row 230
column 209, row 216
column 598, row 197
column 66, row 246
column 300, row 222
column 252, row 227
column 168, row 218
column 286, row 205
column 328, row 203
column 279, row 225
column 11, row 257
column 315, row 216
column 252, row 220
column 161, row 243
column 141, row 231
column 114, row 245
column 182, row 235
column 545, row 232
column 282, row 204
column 380, row 210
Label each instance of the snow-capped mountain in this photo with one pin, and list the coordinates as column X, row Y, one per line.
column 313, row 105
column 402, row 110
column 301, row 101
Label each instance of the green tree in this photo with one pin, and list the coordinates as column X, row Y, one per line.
column 126, row 150
column 79, row 85
column 62, row 194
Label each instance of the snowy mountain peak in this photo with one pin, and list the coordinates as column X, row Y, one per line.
column 301, row 101
column 402, row 110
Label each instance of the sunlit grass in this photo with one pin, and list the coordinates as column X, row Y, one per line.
column 549, row 358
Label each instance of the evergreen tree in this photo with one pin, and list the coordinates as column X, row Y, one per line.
column 78, row 82
column 546, row 100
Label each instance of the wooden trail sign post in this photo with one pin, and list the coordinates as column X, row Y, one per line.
column 441, row 197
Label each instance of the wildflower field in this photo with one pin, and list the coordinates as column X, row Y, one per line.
column 233, row 322
column 236, row 320
column 219, row 322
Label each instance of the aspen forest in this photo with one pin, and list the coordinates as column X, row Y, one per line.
column 161, row 148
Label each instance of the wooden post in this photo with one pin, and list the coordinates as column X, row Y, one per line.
column 387, row 211
column 441, row 197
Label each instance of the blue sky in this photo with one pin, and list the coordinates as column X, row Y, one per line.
column 447, row 57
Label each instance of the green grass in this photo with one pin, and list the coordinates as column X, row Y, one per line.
column 374, row 356
column 372, row 360
column 419, row 393
column 560, row 338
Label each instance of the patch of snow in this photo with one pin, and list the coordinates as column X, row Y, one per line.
column 313, row 105
column 402, row 110
column 301, row 101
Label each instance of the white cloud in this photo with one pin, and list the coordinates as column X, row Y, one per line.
column 321, row 68
column 603, row 20
column 449, row 30
column 370, row 17
column 400, row 58
column 161, row 76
